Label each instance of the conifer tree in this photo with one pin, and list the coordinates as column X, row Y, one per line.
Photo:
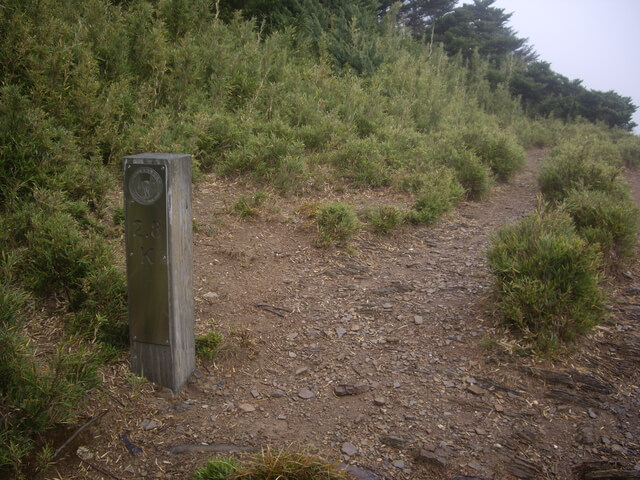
column 479, row 26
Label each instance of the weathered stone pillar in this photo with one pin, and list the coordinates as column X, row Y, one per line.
column 158, row 231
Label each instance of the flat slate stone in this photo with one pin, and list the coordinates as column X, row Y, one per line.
column 349, row 449
column 306, row 394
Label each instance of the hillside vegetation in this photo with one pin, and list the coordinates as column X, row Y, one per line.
column 348, row 94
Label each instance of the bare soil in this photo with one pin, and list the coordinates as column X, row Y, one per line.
column 387, row 356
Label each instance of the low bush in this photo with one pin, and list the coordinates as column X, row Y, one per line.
column 474, row 176
column 559, row 176
column 337, row 224
column 587, row 146
column 60, row 258
column 100, row 306
column 36, row 392
column 440, row 192
column 318, row 136
column 611, row 222
column 291, row 175
column 261, row 155
column 547, row 278
column 630, row 150
column 385, row 218
column 361, row 161
column 499, row 151
column 537, row 133
column 223, row 133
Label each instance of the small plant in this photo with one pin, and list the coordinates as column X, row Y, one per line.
column 246, row 207
column 216, row 469
column 474, row 176
column 385, row 218
column 547, row 278
column 496, row 150
column 207, row 345
column 118, row 217
column 272, row 464
column 441, row 193
column 337, row 224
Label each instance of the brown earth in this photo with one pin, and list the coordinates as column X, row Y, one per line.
column 388, row 356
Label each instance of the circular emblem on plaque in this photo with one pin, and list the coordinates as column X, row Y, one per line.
column 145, row 185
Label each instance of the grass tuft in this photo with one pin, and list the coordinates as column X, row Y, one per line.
column 385, row 218
column 216, row 469
column 247, row 206
column 271, row 464
column 337, row 224
column 207, row 345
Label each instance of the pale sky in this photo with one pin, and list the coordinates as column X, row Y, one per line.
column 597, row 41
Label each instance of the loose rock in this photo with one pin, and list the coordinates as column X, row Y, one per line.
column 306, row 394
column 148, row 424
column 344, row 389
column 349, row 449
column 431, row 458
column 397, row 440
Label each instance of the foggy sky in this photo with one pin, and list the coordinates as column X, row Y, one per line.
column 595, row 41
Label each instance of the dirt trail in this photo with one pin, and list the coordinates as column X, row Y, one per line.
column 386, row 359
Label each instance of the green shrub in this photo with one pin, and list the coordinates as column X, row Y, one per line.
column 589, row 145
column 440, row 192
column 601, row 150
column 385, row 218
column 36, row 397
column 547, row 277
column 34, row 150
column 207, row 345
column 630, row 150
column 361, row 161
column 262, row 155
column 60, row 258
column 474, row 176
column 224, row 133
column 216, row 469
column 537, row 133
column 36, row 392
column 561, row 175
column 609, row 221
column 291, row 174
column 499, row 151
column 101, row 307
column 318, row 136
column 337, row 224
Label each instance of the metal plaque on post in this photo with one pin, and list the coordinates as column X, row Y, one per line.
column 158, row 233
column 146, row 238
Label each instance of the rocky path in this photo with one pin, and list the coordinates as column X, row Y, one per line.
column 387, row 359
